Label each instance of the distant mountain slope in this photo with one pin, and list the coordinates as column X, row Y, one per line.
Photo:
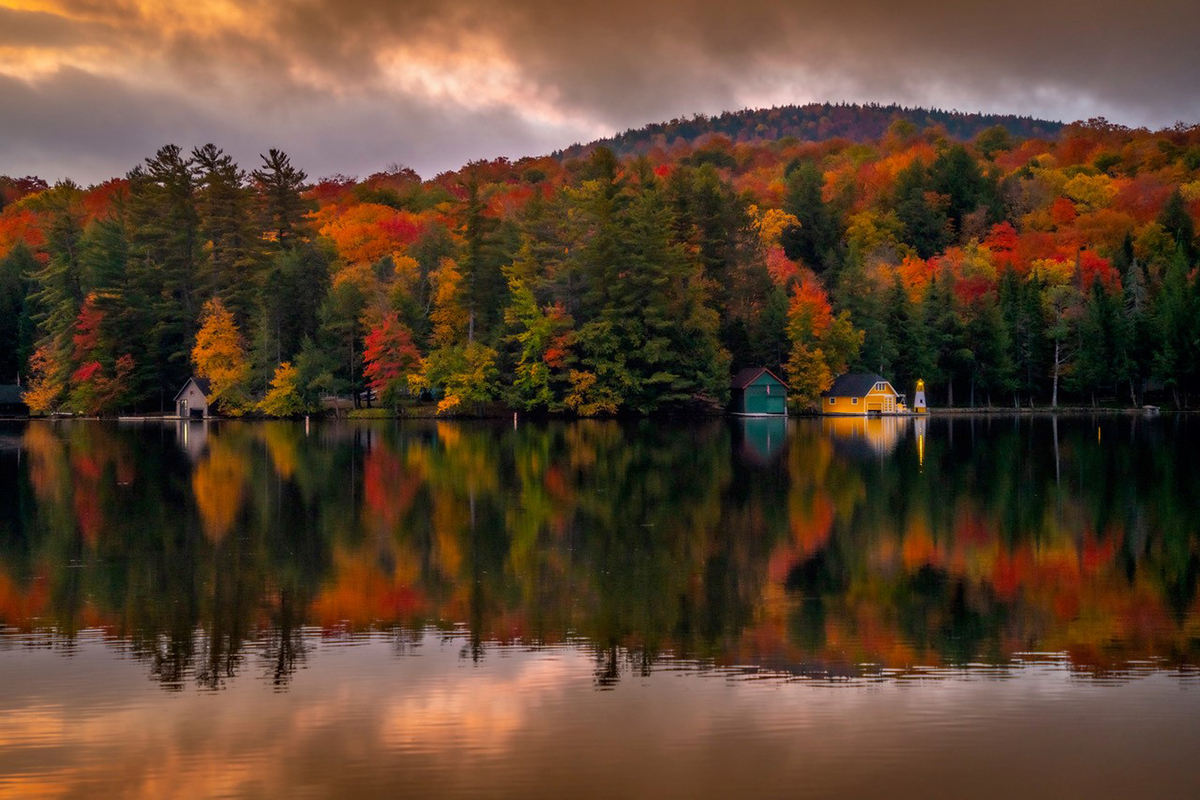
column 814, row 122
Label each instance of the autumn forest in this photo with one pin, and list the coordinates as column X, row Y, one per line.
column 1017, row 266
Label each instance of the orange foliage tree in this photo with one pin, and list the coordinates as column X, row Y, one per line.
column 822, row 345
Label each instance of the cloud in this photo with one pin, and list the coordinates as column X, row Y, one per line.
column 355, row 84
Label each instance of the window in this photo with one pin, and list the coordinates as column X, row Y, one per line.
column 832, row 400
column 853, row 401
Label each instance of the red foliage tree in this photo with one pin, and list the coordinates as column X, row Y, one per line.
column 390, row 356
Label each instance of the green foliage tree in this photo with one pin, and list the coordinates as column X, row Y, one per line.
column 812, row 241
column 164, row 253
column 926, row 226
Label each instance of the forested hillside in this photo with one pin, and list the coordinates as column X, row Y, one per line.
column 1003, row 270
column 815, row 122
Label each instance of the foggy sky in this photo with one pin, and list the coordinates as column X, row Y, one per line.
column 90, row 87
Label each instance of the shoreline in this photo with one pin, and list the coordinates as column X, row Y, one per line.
column 525, row 417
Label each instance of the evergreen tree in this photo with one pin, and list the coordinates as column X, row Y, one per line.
column 340, row 333
column 926, row 227
column 17, row 270
column 906, row 332
column 59, row 290
column 1175, row 357
column 164, row 252
column 812, row 241
column 482, row 261
column 1061, row 311
column 281, row 201
column 296, row 283
column 544, row 338
column 1099, row 365
column 233, row 257
column 1138, row 329
column 1020, row 306
column 949, row 354
column 1176, row 220
column 992, row 368
column 957, row 176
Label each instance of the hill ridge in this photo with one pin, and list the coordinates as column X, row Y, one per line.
column 812, row 122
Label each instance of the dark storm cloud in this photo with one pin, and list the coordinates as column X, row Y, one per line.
column 360, row 83
column 78, row 125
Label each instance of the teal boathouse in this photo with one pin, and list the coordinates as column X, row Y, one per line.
column 758, row 392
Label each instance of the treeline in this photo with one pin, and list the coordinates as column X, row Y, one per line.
column 1002, row 271
column 814, row 122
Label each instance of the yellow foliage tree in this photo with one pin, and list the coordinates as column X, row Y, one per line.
column 219, row 486
column 46, row 388
column 1091, row 191
column 771, row 223
column 283, row 399
column 449, row 317
column 220, row 357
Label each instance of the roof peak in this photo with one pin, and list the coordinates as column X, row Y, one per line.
column 748, row 375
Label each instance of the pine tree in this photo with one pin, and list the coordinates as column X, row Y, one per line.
column 1138, row 329
column 282, row 205
column 544, row 338
column 17, row 271
column 1175, row 356
column 483, row 291
column 906, row 332
column 941, row 315
column 957, row 176
column 926, row 227
column 164, row 254
column 811, row 241
column 59, row 292
column 1176, row 220
column 233, row 257
column 990, row 344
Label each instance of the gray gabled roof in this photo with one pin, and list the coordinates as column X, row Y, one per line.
column 854, row 384
column 749, row 375
column 201, row 384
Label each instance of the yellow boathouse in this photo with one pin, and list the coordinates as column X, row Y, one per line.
column 860, row 394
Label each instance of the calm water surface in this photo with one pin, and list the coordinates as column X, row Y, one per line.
column 968, row 607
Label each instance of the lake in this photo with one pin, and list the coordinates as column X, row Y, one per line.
column 959, row 606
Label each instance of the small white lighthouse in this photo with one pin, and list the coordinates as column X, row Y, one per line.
column 919, row 399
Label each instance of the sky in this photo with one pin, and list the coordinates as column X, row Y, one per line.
column 88, row 88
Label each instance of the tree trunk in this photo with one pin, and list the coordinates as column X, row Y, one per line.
column 353, row 386
column 1132, row 395
column 1057, row 367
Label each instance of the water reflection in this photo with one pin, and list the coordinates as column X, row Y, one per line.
column 853, row 548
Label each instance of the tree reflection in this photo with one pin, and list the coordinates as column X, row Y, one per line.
column 812, row 547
